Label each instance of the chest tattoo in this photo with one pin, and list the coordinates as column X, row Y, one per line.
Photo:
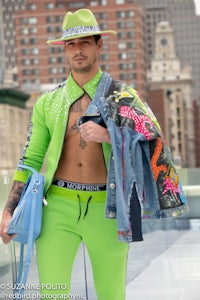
column 79, row 107
column 81, row 104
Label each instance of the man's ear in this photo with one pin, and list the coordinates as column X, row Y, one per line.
column 100, row 45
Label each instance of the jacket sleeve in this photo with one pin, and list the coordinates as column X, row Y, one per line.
column 37, row 141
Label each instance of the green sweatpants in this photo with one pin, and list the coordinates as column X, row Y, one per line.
column 71, row 217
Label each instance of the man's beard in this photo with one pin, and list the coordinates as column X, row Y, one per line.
column 83, row 69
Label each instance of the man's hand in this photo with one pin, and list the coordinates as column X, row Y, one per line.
column 6, row 217
column 92, row 132
column 10, row 206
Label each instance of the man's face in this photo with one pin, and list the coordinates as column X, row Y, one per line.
column 82, row 53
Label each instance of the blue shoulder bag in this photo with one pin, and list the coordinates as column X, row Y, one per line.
column 26, row 224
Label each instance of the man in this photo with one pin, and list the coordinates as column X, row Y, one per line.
column 76, row 213
column 106, row 158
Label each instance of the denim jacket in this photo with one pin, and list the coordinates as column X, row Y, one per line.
column 142, row 179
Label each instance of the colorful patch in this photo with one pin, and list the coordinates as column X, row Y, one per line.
column 140, row 121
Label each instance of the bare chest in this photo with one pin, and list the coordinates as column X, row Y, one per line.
column 79, row 160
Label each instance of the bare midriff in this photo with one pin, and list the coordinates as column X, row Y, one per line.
column 80, row 161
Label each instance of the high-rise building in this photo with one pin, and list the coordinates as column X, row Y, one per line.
column 123, row 55
column 166, row 73
column 8, row 70
column 186, row 25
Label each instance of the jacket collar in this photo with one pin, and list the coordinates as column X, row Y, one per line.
column 74, row 91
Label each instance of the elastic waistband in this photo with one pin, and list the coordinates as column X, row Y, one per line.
column 97, row 196
column 91, row 187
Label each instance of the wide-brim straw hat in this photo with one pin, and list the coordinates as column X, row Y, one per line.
column 79, row 24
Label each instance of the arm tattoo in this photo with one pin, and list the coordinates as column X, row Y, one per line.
column 14, row 196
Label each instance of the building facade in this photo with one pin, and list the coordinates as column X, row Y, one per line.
column 166, row 73
column 186, row 25
column 123, row 55
column 8, row 59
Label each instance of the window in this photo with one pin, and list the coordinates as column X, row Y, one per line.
column 52, row 60
column 24, row 51
column 121, row 14
column 33, row 41
column 50, row 19
column 26, row 72
column 121, row 25
column 123, row 66
column 121, row 45
column 53, row 71
column 132, row 65
column 61, row 59
column 35, row 72
column 33, row 30
column 51, row 50
column 24, row 30
column 62, row 70
column 133, row 76
column 31, row 6
column 26, row 81
column 103, row 26
column 120, row 1
column 59, row 18
column 130, row 44
column 49, row 5
column 58, row 29
column 76, row 4
column 24, row 42
column 103, row 16
column 50, row 29
column 32, row 21
column 36, row 81
column 123, row 55
column 105, row 67
column 104, row 56
column 130, row 24
column 122, row 76
column 34, row 61
column 60, row 5
column 23, row 21
column 130, row 34
column 121, row 35
column 130, row 13
column 34, row 51
column 25, row 62
column 53, row 80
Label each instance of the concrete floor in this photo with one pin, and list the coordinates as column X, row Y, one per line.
column 166, row 265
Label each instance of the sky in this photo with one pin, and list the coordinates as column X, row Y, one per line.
column 197, row 2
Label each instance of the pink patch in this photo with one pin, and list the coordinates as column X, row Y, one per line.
column 140, row 120
column 170, row 186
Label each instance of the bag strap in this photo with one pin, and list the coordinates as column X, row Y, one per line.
column 27, row 167
column 24, row 265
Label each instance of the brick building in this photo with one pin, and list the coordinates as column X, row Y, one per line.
column 123, row 55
